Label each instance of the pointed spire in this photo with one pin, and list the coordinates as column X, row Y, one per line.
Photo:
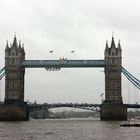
column 15, row 45
column 112, row 34
column 7, row 43
column 23, row 48
column 15, row 35
column 106, row 48
column 19, row 43
column 113, row 43
column 7, row 46
column 119, row 45
column 19, row 47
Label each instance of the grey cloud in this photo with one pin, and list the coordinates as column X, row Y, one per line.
column 64, row 25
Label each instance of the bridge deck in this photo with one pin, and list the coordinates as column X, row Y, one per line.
column 63, row 63
column 85, row 106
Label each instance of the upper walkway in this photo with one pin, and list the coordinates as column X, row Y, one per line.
column 63, row 63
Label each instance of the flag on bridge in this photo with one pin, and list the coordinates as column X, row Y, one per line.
column 50, row 51
column 72, row 51
column 101, row 95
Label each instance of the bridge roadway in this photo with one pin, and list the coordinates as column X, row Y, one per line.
column 62, row 63
column 85, row 106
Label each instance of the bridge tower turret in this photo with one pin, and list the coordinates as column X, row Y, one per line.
column 14, row 73
column 113, row 108
column 113, row 59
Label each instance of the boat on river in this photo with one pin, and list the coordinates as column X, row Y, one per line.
column 130, row 124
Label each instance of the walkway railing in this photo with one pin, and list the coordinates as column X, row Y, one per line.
column 62, row 63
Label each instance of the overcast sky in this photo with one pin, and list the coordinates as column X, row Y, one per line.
column 66, row 25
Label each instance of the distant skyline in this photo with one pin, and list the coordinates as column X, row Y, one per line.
column 63, row 26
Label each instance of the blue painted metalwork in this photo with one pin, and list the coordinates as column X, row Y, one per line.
column 63, row 63
column 131, row 78
column 2, row 73
column 84, row 106
column 2, row 70
column 133, row 105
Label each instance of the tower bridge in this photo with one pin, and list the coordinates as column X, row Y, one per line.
column 14, row 107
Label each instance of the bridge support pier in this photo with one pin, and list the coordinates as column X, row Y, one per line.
column 114, row 112
column 14, row 112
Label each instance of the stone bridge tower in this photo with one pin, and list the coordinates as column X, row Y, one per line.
column 113, row 59
column 14, row 78
column 14, row 107
column 113, row 108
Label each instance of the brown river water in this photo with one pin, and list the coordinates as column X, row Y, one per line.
column 67, row 129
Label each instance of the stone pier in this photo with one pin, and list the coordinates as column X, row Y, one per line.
column 116, row 112
column 14, row 112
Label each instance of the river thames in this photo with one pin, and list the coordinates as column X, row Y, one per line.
column 67, row 129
